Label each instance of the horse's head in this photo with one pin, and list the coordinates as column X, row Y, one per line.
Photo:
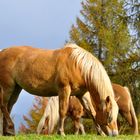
column 106, row 116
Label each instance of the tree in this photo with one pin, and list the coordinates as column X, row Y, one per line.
column 103, row 31
column 132, row 8
column 34, row 116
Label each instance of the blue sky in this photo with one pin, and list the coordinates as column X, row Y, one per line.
column 39, row 23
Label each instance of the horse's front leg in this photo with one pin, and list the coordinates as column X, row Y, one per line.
column 78, row 126
column 63, row 107
column 82, row 129
column 87, row 103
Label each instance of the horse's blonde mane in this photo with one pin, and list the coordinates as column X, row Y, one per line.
column 92, row 70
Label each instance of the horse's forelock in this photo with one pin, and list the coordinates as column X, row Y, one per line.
column 115, row 110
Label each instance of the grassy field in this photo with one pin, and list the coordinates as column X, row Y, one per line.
column 68, row 137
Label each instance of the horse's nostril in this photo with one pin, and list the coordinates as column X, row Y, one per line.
column 113, row 133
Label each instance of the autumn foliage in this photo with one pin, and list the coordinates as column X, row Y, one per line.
column 33, row 118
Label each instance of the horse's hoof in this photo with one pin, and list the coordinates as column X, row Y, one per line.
column 61, row 133
column 9, row 132
column 83, row 133
column 101, row 133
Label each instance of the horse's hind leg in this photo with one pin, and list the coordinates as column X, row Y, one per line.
column 14, row 98
column 7, row 122
column 63, row 107
column 11, row 102
column 9, row 95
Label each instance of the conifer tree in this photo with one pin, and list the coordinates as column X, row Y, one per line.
column 102, row 30
column 132, row 8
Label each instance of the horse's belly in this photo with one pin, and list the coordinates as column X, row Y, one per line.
column 42, row 92
column 40, row 88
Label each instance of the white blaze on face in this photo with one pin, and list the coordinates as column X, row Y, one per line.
column 115, row 110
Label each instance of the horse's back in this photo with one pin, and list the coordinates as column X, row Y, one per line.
column 123, row 96
column 25, row 66
column 10, row 56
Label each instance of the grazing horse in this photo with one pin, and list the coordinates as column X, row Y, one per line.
column 126, row 109
column 68, row 71
column 50, row 117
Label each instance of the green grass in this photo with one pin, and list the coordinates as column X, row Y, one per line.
column 68, row 137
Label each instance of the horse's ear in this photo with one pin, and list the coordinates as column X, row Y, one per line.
column 117, row 98
column 107, row 99
column 108, row 103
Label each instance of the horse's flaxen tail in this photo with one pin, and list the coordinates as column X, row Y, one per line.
column 52, row 114
column 42, row 120
column 133, row 114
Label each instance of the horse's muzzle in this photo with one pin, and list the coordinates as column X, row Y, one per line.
column 113, row 133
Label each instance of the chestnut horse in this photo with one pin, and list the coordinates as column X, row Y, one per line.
column 68, row 71
column 126, row 108
column 51, row 116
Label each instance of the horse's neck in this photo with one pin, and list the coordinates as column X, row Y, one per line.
column 95, row 98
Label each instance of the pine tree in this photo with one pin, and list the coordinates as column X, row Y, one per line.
column 102, row 30
column 34, row 116
column 132, row 8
